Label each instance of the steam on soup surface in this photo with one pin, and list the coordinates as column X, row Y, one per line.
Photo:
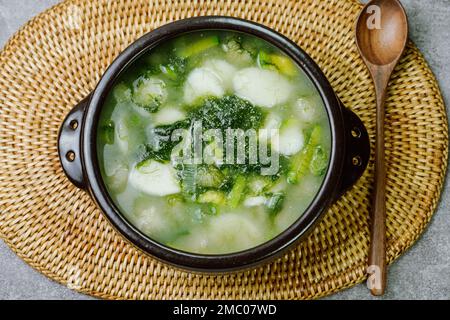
column 214, row 142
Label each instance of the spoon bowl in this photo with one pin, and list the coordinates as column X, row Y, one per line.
column 382, row 31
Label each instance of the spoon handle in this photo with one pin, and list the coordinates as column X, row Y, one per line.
column 377, row 254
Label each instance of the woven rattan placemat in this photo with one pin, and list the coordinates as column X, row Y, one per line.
column 56, row 60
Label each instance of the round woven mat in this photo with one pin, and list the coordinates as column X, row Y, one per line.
column 56, row 60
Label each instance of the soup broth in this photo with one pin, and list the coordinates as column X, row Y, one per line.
column 213, row 142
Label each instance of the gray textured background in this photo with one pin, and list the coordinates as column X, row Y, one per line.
column 422, row 273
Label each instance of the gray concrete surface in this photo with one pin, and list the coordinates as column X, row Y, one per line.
column 422, row 273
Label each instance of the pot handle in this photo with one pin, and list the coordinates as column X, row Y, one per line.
column 357, row 150
column 69, row 144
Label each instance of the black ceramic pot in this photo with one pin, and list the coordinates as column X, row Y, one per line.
column 78, row 149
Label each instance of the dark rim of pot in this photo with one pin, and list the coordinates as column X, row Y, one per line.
column 222, row 262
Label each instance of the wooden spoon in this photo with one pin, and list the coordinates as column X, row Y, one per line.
column 381, row 35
